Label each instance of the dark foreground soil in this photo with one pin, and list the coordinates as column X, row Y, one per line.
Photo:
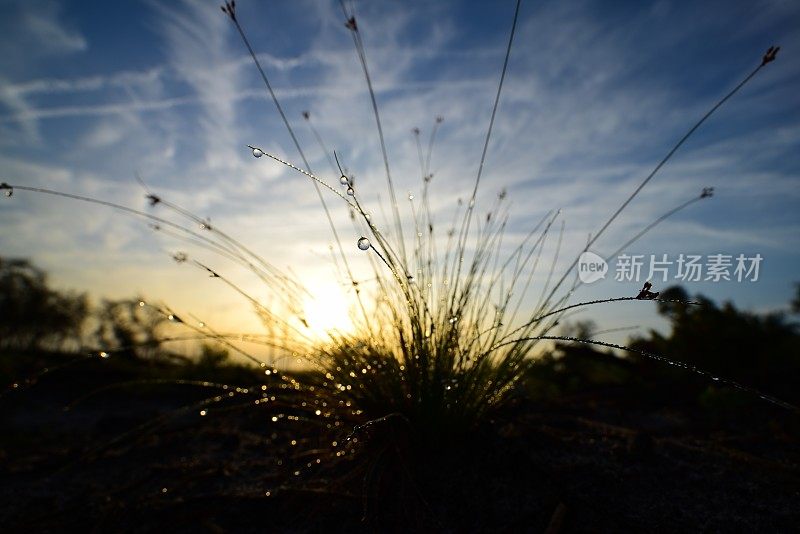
column 587, row 463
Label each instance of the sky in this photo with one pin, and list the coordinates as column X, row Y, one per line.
column 92, row 93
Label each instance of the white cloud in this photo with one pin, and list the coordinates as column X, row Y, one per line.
column 43, row 26
column 34, row 30
column 23, row 115
column 578, row 127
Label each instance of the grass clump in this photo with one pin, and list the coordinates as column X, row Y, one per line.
column 440, row 345
column 451, row 332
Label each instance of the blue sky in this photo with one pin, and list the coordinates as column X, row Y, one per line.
column 92, row 92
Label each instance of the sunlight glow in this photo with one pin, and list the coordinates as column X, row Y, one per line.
column 327, row 310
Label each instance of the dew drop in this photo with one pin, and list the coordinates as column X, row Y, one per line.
column 104, row 354
column 7, row 189
column 410, row 196
column 343, row 180
column 257, row 152
column 350, row 191
column 203, row 412
column 141, row 304
column 363, row 243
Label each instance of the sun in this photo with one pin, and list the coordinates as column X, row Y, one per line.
column 327, row 310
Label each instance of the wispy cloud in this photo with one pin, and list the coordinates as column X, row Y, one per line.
column 594, row 97
column 37, row 28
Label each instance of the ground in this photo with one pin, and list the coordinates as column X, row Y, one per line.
column 584, row 462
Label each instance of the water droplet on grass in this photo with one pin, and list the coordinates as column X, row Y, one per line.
column 363, row 243
column 257, row 152
column 350, row 191
column 343, row 180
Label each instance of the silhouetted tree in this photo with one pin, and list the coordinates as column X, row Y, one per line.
column 34, row 316
column 127, row 329
column 579, row 329
column 212, row 356
column 760, row 350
